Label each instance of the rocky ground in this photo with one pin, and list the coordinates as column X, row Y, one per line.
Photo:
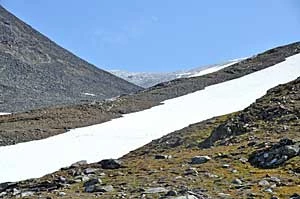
column 42, row 123
column 254, row 153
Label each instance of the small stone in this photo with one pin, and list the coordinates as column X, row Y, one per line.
column 156, row 190
column 16, row 192
column 225, row 166
column 243, row 160
column 171, row 193
column 108, row 188
column 210, row 175
column 92, row 181
column 237, row 181
column 275, row 179
column 2, row 194
column 269, row 190
column 85, row 178
column 200, row 159
column 185, row 197
column 161, row 157
column 295, row 196
column 90, row 171
column 62, row 179
column 61, row 194
column 263, row 183
column 274, row 197
column 27, row 194
column 224, row 195
column 191, row 171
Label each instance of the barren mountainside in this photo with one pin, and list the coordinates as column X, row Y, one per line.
column 35, row 72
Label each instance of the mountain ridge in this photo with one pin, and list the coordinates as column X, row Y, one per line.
column 149, row 79
column 34, row 67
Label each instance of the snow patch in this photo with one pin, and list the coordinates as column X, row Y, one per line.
column 213, row 69
column 115, row 138
column 89, row 94
column 5, row 113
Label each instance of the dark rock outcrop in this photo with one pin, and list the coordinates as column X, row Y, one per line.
column 276, row 155
column 110, row 164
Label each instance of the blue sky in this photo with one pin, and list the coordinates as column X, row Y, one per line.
column 162, row 35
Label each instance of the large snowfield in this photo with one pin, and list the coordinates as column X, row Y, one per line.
column 119, row 136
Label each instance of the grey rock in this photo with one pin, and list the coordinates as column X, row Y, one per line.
column 2, row 194
column 274, row 197
column 61, row 193
column 275, row 179
column 16, row 192
column 79, row 163
column 92, row 181
column 269, row 190
column 237, row 181
column 156, row 190
column 110, row 164
column 88, row 171
column 200, row 159
column 185, row 197
column 191, row 171
column 7, row 185
column 27, row 194
column 225, row 166
column 108, row 188
column 263, row 183
column 224, row 195
column 295, row 196
column 171, row 193
column 161, row 157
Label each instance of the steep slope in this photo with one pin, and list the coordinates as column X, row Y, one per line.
column 35, row 72
column 39, row 124
column 174, row 166
column 147, row 80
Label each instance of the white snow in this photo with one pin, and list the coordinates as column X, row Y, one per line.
column 214, row 69
column 5, row 113
column 119, row 136
column 89, row 94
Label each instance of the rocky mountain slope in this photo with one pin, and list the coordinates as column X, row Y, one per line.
column 254, row 153
column 35, row 72
column 42, row 123
column 149, row 79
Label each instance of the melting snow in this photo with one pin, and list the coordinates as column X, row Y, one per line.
column 119, row 136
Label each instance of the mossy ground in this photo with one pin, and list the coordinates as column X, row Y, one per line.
column 143, row 171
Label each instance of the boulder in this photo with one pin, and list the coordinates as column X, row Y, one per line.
column 200, row 159
column 110, row 164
